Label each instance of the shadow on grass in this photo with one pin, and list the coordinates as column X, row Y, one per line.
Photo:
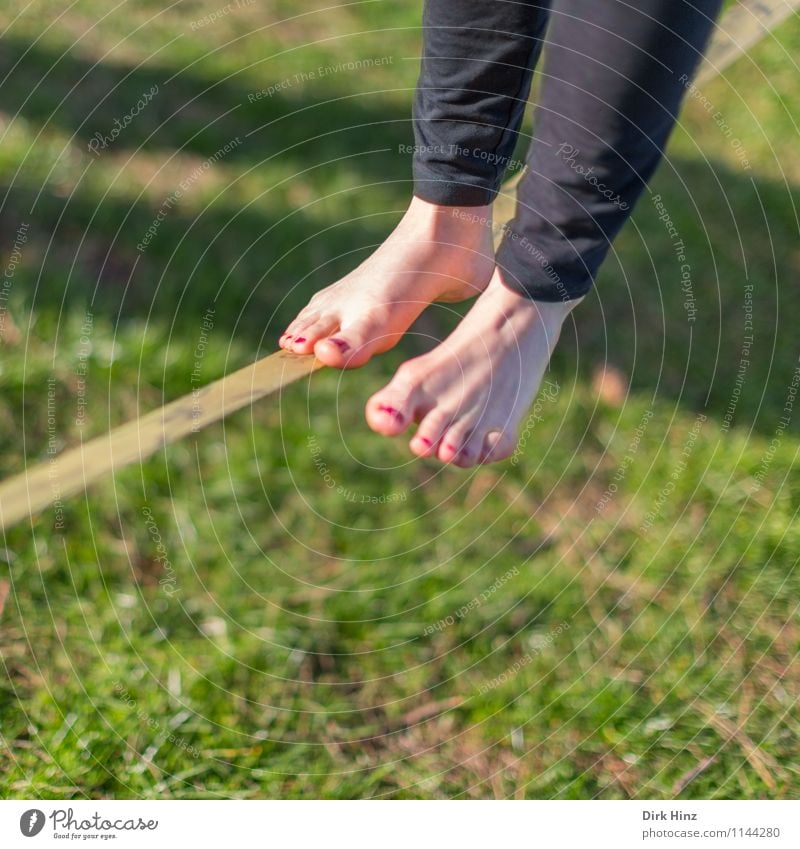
column 704, row 315
column 196, row 114
column 246, row 263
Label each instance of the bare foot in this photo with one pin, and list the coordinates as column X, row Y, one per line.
column 470, row 393
column 434, row 254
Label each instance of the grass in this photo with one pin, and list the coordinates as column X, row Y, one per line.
column 286, row 605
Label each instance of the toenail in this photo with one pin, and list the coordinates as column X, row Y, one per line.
column 465, row 452
column 425, row 440
column 391, row 411
column 450, row 447
column 340, row 344
column 300, row 339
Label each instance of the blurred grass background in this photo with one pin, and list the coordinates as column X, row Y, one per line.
column 271, row 609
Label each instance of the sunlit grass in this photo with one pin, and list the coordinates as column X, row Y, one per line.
column 287, row 604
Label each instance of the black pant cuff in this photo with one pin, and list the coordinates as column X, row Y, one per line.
column 534, row 276
column 445, row 191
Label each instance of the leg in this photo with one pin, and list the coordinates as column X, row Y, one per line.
column 611, row 93
column 613, row 87
column 474, row 82
column 478, row 61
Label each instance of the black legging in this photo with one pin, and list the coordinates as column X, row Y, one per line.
column 614, row 75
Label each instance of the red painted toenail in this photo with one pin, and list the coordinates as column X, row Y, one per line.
column 426, row 441
column 340, row 344
column 300, row 339
column 391, row 411
column 450, row 447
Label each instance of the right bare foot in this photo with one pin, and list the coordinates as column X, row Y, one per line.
column 434, row 254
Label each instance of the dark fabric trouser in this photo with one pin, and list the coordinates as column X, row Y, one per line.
column 613, row 78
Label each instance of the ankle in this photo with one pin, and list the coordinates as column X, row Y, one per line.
column 520, row 309
column 514, row 300
column 462, row 225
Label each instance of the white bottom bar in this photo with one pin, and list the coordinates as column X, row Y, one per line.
column 401, row 824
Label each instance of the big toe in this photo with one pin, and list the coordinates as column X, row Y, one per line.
column 391, row 410
column 353, row 346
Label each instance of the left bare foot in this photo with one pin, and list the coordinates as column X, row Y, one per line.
column 436, row 253
column 470, row 393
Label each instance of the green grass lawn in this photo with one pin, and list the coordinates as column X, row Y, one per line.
column 288, row 605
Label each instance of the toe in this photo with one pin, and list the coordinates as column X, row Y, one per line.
column 391, row 410
column 497, row 445
column 469, row 454
column 296, row 328
column 336, row 351
column 353, row 346
column 425, row 442
column 454, row 447
column 307, row 337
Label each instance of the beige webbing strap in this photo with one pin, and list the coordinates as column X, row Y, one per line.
column 75, row 469
column 742, row 26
